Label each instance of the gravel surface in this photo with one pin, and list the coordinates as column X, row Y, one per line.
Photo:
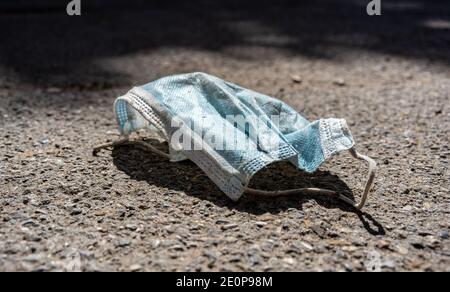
column 127, row 210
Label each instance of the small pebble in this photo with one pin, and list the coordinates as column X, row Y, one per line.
column 19, row 149
column 229, row 226
column 123, row 243
column 76, row 212
column 260, row 224
column 296, row 79
column 388, row 264
column 131, row 227
column 44, row 141
column 339, row 82
column 407, row 208
column 135, row 268
column 443, row 234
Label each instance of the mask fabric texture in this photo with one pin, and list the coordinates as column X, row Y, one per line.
column 228, row 131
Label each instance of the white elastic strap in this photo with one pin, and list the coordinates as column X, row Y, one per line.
column 369, row 182
column 126, row 141
column 119, row 142
column 315, row 191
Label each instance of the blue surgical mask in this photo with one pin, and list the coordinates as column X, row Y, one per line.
column 232, row 132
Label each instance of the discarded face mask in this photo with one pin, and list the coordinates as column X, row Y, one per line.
column 231, row 132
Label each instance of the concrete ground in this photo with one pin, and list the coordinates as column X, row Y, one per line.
column 127, row 210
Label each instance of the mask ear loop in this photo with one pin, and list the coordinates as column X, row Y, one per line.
column 369, row 182
column 316, row 191
column 126, row 141
column 310, row 191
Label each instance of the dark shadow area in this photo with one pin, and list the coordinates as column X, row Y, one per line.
column 41, row 45
column 186, row 177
